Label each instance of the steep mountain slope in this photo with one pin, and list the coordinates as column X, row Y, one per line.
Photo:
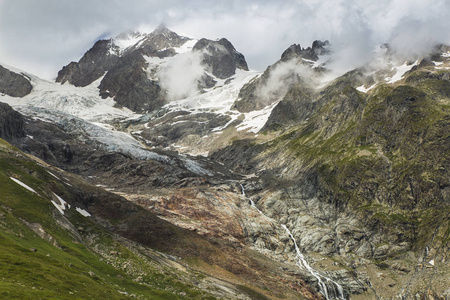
column 295, row 65
column 312, row 184
column 59, row 251
column 370, row 168
column 62, row 237
column 237, row 107
column 141, row 69
column 114, row 159
column 13, row 84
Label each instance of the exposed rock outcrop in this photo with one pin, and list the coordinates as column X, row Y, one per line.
column 13, row 84
column 129, row 85
column 93, row 65
column 293, row 68
column 132, row 82
column 317, row 49
column 360, row 174
column 11, row 123
column 296, row 106
column 220, row 57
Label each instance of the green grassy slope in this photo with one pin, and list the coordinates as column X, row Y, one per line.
column 385, row 154
column 81, row 262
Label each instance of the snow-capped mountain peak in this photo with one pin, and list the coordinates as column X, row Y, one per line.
column 125, row 40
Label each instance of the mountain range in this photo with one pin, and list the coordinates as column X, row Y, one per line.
column 160, row 167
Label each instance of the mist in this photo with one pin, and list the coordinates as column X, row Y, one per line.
column 180, row 75
column 281, row 77
column 42, row 36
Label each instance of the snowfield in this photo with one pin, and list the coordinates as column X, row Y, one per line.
column 220, row 99
column 400, row 71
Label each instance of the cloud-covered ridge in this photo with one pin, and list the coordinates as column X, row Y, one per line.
column 41, row 36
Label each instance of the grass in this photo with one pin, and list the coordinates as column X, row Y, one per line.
column 403, row 131
column 63, row 266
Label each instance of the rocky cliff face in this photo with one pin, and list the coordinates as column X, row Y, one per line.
column 297, row 65
column 220, row 57
column 364, row 168
column 128, row 83
column 11, row 123
column 132, row 64
column 13, row 84
column 346, row 185
column 93, row 65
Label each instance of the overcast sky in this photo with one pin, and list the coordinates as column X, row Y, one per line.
column 41, row 36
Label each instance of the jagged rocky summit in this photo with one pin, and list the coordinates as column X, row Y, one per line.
column 307, row 186
column 296, row 65
column 131, row 66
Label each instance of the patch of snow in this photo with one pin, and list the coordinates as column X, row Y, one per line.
column 323, row 59
column 186, row 47
column 218, row 100
column 82, row 102
column 63, row 203
column 128, row 39
column 23, row 185
column 363, row 89
column 155, row 61
column 58, row 207
column 195, row 167
column 446, row 54
column 83, row 212
column 309, row 61
column 256, row 120
column 437, row 63
column 52, row 174
column 431, row 262
column 400, row 71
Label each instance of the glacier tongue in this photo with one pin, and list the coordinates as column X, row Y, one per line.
column 81, row 111
column 81, row 102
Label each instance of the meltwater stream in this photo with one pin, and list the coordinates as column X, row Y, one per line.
column 328, row 287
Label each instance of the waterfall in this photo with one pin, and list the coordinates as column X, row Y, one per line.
column 335, row 289
column 328, row 287
column 252, row 203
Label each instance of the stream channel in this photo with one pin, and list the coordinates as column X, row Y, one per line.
column 328, row 287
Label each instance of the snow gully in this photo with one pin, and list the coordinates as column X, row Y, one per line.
column 328, row 287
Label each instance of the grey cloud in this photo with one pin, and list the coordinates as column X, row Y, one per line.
column 180, row 75
column 42, row 36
